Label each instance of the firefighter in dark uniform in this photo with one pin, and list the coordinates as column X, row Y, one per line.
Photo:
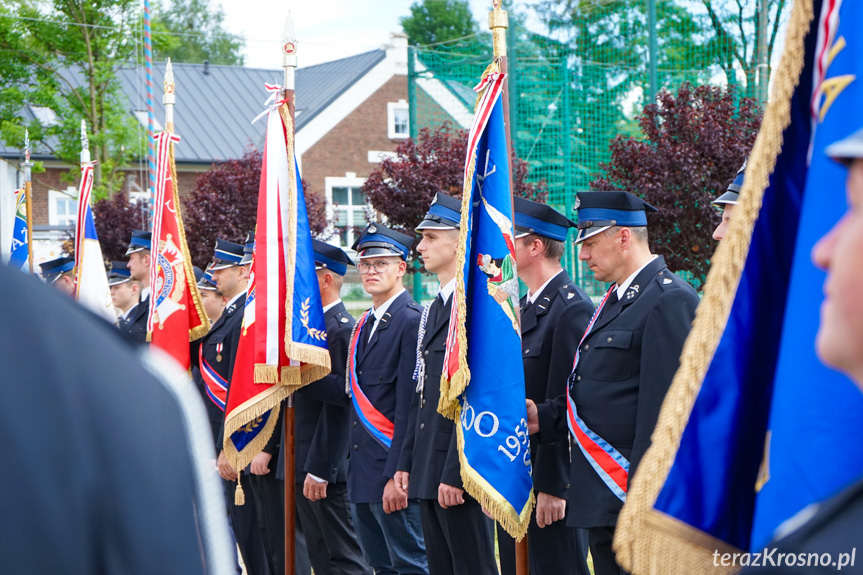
column 554, row 315
column 214, row 356
column 60, row 273
column 124, row 292
column 726, row 202
column 623, row 368
column 381, row 361
column 459, row 537
column 135, row 325
column 322, row 412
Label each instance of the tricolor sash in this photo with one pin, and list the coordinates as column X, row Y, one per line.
column 373, row 421
column 215, row 384
column 611, row 466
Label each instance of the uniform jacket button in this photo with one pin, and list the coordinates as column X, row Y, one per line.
column 566, row 486
column 577, row 378
column 360, row 372
column 355, row 423
column 608, row 340
column 356, row 447
column 422, row 425
column 586, row 346
column 527, row 351
column 426, row 352
column 424, row 401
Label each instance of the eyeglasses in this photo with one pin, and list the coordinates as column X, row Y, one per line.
column 379, row 267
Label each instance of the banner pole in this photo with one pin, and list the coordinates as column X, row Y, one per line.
column 28, row 198
column 498, row 23
column 289, row 64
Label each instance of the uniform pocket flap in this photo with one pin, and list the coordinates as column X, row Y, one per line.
column 614, row 338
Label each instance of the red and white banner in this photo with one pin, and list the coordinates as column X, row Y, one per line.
column 91, row 282
column 176, row 315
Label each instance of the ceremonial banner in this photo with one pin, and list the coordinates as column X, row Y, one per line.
column 482, row 385
column 284, row 342
column 752, row 413
column 20, row 242
column 91, row 281
column 176, row 314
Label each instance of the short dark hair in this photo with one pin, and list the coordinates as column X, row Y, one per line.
column 551, row 249
column 638, row 232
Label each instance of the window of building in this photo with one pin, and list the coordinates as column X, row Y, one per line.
column 398, row 119
column 62, row 207
column 46, row 116
column 347, row 205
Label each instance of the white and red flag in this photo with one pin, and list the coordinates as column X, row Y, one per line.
column 283, row 345
column 176, row 315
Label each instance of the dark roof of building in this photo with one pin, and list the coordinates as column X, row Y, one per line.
column 216, row 104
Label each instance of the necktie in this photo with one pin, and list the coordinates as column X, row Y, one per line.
column 367, row 330
column 612, row 300
column 434, row 313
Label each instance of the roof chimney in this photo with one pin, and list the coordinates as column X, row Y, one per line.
column 206, row 67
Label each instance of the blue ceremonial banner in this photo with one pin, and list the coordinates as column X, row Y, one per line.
column 771, row 429
column 20, row 242
column 816, row 418
column 482, row 385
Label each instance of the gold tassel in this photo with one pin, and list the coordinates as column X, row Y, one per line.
column 239, row 494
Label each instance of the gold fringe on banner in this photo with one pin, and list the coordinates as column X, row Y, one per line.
column 199, row 331
column 239, row 494
column 251, row 412
column 647, row 541
column 513, row 521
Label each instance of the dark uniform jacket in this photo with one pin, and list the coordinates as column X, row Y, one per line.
column 226, row 331
column 626, row 366
column 322, row 410
column 385, row 373
column 551, row 328
column 98, row 477
column 833, row 528
column 135, row 325
column 430, row 452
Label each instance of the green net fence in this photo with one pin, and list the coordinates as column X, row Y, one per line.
column 582, row 83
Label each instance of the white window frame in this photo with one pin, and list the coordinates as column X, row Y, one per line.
column 350, row 180
column 391, row 120
column 70, row 194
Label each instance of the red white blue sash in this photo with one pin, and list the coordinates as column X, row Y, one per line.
column 378, row 426
column 215, row 384
column 611, row 466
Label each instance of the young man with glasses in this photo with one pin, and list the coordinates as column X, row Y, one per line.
column 381, row 360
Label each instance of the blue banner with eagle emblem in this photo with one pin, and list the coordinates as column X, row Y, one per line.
column 482, row 385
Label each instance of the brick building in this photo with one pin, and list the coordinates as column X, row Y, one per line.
column 350, row 113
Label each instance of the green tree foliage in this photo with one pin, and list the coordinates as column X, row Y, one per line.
column 192, row 31
column 62, row 56
column 434, row 21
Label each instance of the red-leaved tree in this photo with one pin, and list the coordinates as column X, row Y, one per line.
column 692, row 146
column 402, row 187
column 115, row 217
column 224, row 205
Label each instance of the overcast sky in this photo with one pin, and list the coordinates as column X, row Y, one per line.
column 327, row 29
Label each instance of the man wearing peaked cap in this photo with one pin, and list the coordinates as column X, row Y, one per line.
column 554, row 315
column 459, row 538
column 727, row 201
column 623, row 365
column 248, row 248
column 381, row 362
column 135, row 325
column 124, row 291
column 60, row 273
column 213, row 365
column 213, row 301
column 322, row 411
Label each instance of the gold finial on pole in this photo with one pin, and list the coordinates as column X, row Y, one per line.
column 85, row 143
column 169, row 97
column 498, row 22
column 28, row 197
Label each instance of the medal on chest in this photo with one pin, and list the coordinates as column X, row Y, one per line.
column 219, row 348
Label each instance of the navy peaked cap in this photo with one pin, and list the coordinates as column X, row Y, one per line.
column 598, row 211
column 206, row 280
column 141, row 240
column 330, row 257
column 53, row 269
column 540, row 219
column 119, row 273
column 226, row 254
column 444, row 214
column 732, row 194
column 249, row 248
column 848, row 149
column 377, row 240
